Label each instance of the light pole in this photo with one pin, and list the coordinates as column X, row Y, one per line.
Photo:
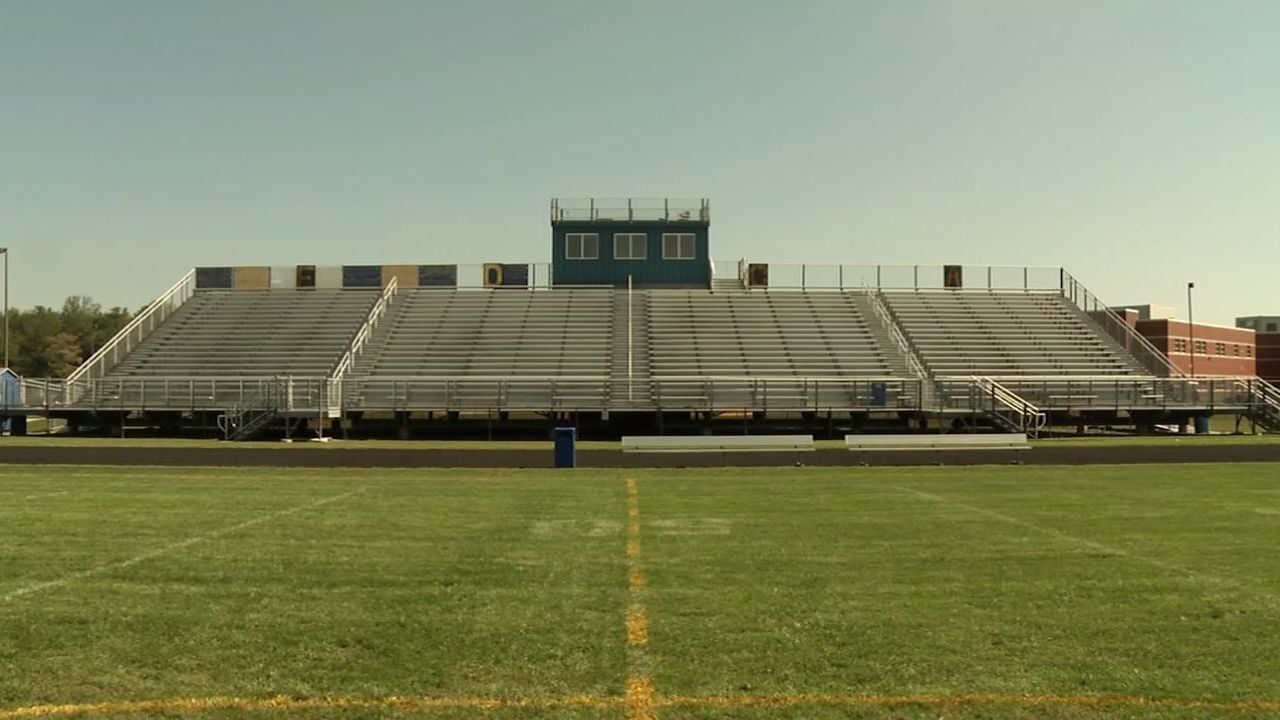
column 5, row 251
column 1191, row 324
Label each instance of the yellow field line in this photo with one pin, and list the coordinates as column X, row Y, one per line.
column 640, row 700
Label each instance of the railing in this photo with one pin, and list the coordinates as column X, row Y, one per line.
column 477, row 393
column 1266, row 398
column 1122, row 332
column 890, row 322
column 668, row 209
column 252, row 413
column 365, row 332
column 316, row 396
column 732, row 393
column 809, row 276
column 299, row 394
column 1116, row 393
column 138, row 329
column 1006, row 405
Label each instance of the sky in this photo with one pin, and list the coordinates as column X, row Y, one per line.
column 1137, row 144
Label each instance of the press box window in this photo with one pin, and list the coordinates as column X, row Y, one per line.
column 630, row 246
column 581, row 246
column 677, row 246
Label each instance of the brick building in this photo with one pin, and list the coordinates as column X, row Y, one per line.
column 1267, row 328
column 1219, row 350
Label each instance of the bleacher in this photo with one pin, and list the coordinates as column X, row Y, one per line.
column 768, row 334
column 1005, row 334
column 228, row 333
column 503, row 333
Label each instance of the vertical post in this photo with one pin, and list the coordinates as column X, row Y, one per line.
column 1191, row 326
column 803, row 268
column 915, row 276
column 842, row 277
column 1025, row 282
column 989, row 277
column 878, row 284
column 630, row 343
column 5, row 251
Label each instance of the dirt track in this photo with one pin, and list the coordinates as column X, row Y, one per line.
column 392, row 458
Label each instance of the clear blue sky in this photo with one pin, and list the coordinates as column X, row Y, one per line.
column 1135, row 143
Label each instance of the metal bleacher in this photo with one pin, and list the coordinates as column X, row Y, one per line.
column 1001, row 334
column 901, row 350
column 228, row 333
column 770, row 348
column 770, row 334
column 486, row 348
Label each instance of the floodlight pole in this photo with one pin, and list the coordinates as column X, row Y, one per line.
column 1191, row 327
column 5, row 251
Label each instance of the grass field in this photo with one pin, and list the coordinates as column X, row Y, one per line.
column 995, row 593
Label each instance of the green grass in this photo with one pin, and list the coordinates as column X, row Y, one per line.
column 1148, row 582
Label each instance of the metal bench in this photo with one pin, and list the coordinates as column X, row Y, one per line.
column 716, row 443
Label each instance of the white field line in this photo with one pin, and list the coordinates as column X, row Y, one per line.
column 1203, row 578
column 120, row 565
column 34, row 496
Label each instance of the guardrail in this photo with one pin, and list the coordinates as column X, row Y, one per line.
column 326, row 396
column 136, row 331
column 821, row 276
column 477, row 393
column 783, row 394
column 1128, row 393
column 668, row 209
column 299, row 394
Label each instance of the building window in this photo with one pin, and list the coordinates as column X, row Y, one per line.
column 1220, row 348
column 1236, row 348
column 1179, row 345
column 1248, row 351
column 1271, row 327
column 677, row 246
column 630, row 246
column 581, row 246
column 1202, row 347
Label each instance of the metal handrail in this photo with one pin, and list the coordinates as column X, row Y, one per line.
column 97, row 362
column 1147, row 354
column 365, row 332
column 1031, row 418
column 895, row 332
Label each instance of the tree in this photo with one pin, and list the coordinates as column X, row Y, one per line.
column 44, row 342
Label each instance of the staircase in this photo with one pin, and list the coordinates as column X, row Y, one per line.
column 252, row 415
column 382, row 332
column 1005, row 408
column 638, row 392
column 1264, row 404
column 895, row 348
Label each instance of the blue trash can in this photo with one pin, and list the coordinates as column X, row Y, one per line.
column 879, row 394
column 1202, row 426
column 566, row 446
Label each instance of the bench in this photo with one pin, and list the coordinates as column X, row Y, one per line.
column 716, row 443
column 937, row 443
